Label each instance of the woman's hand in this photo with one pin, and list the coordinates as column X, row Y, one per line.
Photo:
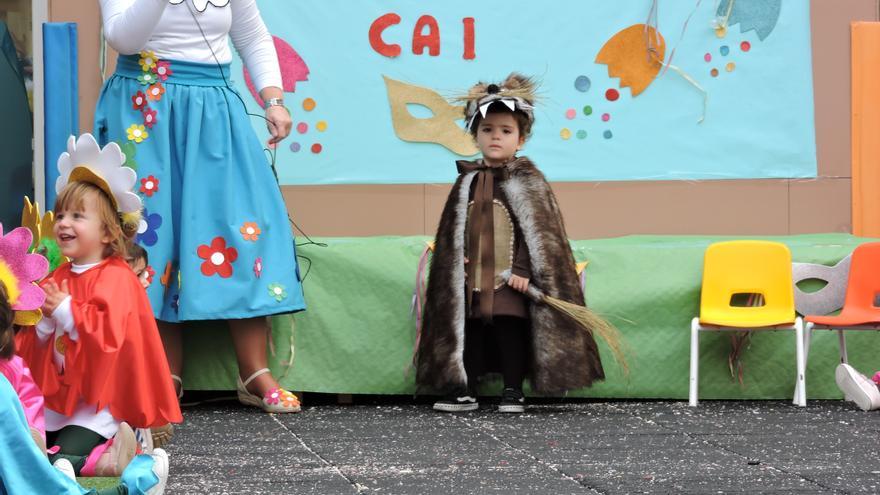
column 279, row 123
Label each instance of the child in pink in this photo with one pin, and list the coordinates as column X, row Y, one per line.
column 28, row 392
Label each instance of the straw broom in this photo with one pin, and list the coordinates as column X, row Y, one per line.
column 585, row 318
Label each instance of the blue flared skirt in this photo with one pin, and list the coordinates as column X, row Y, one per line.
column 214, row 225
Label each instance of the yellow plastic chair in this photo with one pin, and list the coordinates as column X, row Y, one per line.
column 747, row 267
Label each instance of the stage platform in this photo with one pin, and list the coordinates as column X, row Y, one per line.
column 357, row 335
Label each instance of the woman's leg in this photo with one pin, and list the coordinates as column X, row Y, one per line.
column 250, row 338
column 172, row 340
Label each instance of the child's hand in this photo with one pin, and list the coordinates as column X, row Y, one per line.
column 518, row 283
column 54, row 295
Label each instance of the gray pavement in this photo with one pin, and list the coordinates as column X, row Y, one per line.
column 556, row 447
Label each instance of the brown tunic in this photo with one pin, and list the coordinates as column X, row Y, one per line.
column 508, row 301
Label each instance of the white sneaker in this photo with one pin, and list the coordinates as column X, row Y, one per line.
column 857, row 388
column 160, row 469
column 66, row 468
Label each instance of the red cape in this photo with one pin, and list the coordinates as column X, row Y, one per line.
column 118, row 360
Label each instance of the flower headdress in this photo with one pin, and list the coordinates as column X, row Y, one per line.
column 19, row 271
column 85, row 161
column 517, row 92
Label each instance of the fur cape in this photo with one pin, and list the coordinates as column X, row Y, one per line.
column 563, row 356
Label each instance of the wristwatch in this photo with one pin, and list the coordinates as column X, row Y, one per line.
column 273, row 102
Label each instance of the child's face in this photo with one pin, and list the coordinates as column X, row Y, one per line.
column 139, row 267
column 81, row 234
column 498, row 137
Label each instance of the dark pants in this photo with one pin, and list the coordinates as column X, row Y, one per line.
column 76, row 444
column 501, row 346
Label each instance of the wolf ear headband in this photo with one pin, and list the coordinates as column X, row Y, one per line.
column 517, row 93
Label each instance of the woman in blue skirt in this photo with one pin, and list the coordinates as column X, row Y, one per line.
column 214, row 225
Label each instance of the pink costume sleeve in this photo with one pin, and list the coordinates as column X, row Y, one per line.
column 28, row 392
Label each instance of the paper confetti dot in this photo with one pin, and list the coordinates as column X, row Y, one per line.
column 606, row 117
column 316, row 148
column 582, row 134
column 295, row 147
column 714, row 72
column 565, row 133
column 309, row 104
column 707, row 57
column 302, row 128
column 321, row 126
column 721, row 32
column 730, row 67
column 582, row 84
column 724, row 50
column 570, row 113
column 612, row 94
column 745, row 46
column 607, row 134
column 588, row 110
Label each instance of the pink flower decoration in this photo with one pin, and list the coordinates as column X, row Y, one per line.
column 163, row 70
column 19, row 270
column 258, row 267
column 149, row 117
column 273, row 396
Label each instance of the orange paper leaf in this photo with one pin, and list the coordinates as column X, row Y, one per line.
column 634, row 55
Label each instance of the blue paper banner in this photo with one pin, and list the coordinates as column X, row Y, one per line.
column 61, row 111
column 347, row 63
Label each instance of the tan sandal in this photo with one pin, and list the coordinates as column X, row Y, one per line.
column 162, row 435
column 275, row 400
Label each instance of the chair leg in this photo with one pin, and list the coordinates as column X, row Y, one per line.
column 801, row 384
column 808, row 337
column 695, row 362
column 842, row 340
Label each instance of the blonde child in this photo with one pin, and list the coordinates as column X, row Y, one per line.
column 24, row 467
column 96, row 354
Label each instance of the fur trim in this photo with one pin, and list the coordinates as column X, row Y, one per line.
column 564, row 357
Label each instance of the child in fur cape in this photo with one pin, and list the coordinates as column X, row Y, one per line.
column 501, row 216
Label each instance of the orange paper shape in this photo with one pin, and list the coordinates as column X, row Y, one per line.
column 865, row 128
column 441, row 128
column 634, row 55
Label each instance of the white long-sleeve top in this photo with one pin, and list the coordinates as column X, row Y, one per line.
column 172, row 32
column 55, row 326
